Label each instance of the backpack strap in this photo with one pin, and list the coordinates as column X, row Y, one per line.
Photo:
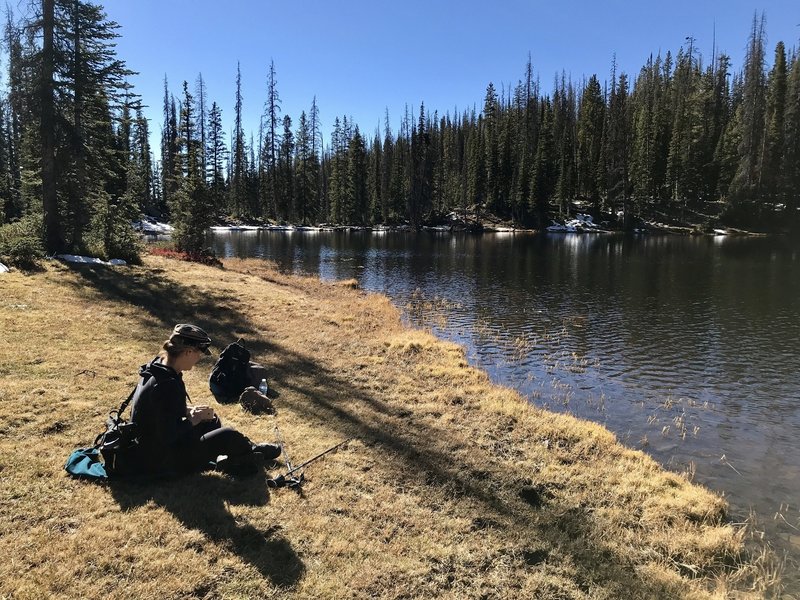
column 127, row 401
column 115, row 415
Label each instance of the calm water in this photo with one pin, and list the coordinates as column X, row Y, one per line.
column 685, row 347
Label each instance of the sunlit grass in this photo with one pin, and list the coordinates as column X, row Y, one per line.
column 452, row 488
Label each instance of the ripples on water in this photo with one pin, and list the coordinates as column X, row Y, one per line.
column 688, row 348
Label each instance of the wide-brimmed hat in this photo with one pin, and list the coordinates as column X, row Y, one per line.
column 186, row 334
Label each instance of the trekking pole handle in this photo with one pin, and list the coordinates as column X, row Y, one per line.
column 282, row 444
column 277, row 482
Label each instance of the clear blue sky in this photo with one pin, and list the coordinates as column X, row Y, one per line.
column 361, row 57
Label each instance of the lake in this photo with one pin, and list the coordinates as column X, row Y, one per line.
column 686, row 347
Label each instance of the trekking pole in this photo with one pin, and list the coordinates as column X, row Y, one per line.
column 286, row 480
column 282, row 444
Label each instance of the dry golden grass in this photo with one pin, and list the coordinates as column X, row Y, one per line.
column 452, row 488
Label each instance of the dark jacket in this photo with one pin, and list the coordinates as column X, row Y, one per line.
column 159, row 411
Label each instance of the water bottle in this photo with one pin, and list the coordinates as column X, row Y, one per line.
column 262, row 387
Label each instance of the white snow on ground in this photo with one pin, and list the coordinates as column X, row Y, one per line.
column 74, row 258
column 149, row 226
column 580, row 223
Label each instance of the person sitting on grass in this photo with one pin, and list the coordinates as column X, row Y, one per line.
column 175, row 437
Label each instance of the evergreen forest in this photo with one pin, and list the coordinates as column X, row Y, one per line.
column 682, row 136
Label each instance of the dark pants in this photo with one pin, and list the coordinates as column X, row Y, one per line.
column 210, row 439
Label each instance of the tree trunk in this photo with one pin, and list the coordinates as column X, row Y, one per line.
column 52, row 230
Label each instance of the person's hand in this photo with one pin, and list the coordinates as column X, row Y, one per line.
column 198, row 414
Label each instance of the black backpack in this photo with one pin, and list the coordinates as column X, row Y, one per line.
column 231, row 373
column 118, row 444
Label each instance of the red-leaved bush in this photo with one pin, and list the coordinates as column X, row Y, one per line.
column 205, row 258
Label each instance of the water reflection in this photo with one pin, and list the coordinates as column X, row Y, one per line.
column 686, row 347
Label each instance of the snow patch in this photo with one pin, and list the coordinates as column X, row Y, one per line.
column 75, row 258
column 150, row 226
column 581, row 222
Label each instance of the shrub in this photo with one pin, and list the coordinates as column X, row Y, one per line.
column 21, row 242
column 203, row 257
column 111, row 234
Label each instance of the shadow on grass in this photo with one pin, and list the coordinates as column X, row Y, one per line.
column 166, row 301
column 199, row 500
column 408, row 445
column 569, row 529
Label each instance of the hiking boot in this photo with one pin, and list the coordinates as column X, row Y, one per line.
column 255, row 402
column 237, row 466
column 267, row 451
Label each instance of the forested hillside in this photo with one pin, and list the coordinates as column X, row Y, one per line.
column 684, row 134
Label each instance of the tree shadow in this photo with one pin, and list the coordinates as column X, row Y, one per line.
column 406, row 444
column 164, row 302
column 198, row 502
column 374, row 422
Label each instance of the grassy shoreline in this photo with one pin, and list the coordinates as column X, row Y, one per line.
column 453, row 487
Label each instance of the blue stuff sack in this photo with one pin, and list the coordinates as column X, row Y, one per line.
column 84, row 463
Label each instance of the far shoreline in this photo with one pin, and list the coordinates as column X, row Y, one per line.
column 150, row 227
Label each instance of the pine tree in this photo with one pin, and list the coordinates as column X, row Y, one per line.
column 590, row 138
column 644, row 143
column 284, row 192
column 18, row 113
column 525, row 145
column 449, row 166
column 506, row 162
column 374, row 172
column 200, row 110
column 790, row 169
column 140, row 179
column 125, row 142
column 188, row 147
column 237, row 181
column 491, row 110
column 53, row 235
column 421, row 171
column 216, row 154
column 746, row 183
column 617, row 148
column 252, row 182
column 193, row 213
column 439, row 173
column 681, row 163
column 304, row 171
column 340, row 189
column 716, row 118
column 69, row 155
column 564, row 128
column 476, row 166
column 544, row 167
column 386, row 171
column 775, row 119
column 358, row 198
column 269, row 151
column 169, row 147
column 7, row 196
column 399, row 181
column 193, row 209
column 726, row 155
